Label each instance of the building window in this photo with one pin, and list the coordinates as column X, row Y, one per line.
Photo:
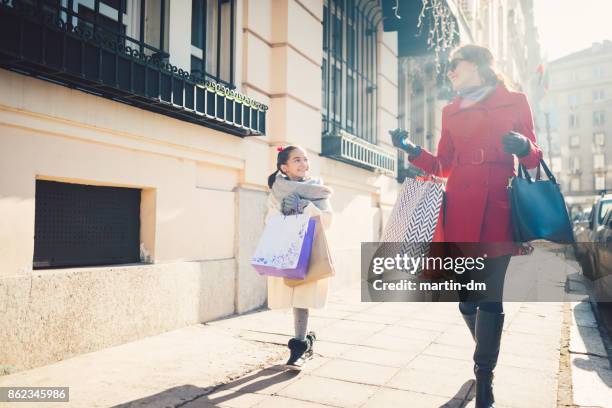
column 139, row 24
column 212, row 40
column 135, row 24
column 574, row 141
column 574, row 164
column 573, row 100
column 599, row 95
column 84, row 225
column 574, row 120
column 600, row 182
column 599, row 161
column 575, row 184
column 598, row 72
column 574, row 76
column 599, row 139
column 599, row 118
column 349, row 70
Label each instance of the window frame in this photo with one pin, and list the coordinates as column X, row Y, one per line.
column 344, row 107
column 132, row 24
column 574, row 121
column 599, row 95
column 573, row 100
column 599, row 118
column 217, row 44
column 598, row 72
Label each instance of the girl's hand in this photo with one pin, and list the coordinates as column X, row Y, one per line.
column 293, row 204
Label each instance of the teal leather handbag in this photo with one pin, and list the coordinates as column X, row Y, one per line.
column 538, row 208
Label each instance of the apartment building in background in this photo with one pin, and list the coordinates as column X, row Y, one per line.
column 580, row 104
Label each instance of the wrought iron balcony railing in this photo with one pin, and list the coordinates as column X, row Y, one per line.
column 55, row 43
column 353, row 150
column 405, row 169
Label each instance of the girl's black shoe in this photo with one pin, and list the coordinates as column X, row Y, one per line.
column 301, row 351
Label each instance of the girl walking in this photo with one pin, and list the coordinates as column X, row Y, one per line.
column 292, row 191
column 483, row 129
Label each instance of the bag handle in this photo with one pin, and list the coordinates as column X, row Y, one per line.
column 523, row 173
column 549, row 174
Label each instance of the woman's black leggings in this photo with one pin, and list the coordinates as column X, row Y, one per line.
column 493, row 276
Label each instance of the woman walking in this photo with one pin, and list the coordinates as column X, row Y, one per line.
column 483, row 128
column 294, row 192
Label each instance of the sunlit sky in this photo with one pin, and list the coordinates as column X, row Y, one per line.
column 566, row 26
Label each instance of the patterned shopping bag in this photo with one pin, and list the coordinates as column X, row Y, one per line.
column 415, row 215
column 415, row 221
column 285, row 246
column 416, row 218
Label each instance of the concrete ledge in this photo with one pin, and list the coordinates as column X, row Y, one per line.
column 55, row 314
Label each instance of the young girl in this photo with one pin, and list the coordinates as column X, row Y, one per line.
column 294, row 192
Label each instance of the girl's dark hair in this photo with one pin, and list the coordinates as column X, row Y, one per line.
column 281, row 158
column 483, row 59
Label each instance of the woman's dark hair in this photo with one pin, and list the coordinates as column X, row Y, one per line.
column 483, row 59
column 281, row 158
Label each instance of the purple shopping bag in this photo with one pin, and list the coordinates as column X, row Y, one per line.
column 285, row 246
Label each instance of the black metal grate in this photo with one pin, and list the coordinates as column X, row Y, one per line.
column 82, row 225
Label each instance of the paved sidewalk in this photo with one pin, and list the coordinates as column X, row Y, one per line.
column 367, row 355
column 394, row 354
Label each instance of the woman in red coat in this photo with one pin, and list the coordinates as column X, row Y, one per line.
column 483, row 129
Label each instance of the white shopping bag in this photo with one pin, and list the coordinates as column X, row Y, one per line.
column 281, row 243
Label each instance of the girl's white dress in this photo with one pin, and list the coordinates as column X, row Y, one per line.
column 309, row 295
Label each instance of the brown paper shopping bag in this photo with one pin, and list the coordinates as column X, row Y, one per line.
column 320, row 265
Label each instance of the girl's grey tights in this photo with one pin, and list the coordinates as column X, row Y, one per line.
column 300, row 322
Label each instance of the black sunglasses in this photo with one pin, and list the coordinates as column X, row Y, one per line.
column 452, row 65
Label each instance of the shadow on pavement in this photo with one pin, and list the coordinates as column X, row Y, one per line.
column 206, row 396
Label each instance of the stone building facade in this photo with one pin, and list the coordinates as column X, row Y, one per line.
column 136, row 138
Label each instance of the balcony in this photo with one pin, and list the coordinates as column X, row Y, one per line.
column 405, row 169
column 355, row 151
column 67, row 47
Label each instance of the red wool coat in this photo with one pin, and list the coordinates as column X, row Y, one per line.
column 470, row 155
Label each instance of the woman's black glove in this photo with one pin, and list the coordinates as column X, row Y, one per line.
column 515, row 143
column 399, row 137
column 293, row 204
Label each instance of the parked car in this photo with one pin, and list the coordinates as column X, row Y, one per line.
column 600, row 260
column 581, row 233
column 590, row 238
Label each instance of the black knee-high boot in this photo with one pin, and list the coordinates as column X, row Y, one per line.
column 470, row 320
column 488, row 333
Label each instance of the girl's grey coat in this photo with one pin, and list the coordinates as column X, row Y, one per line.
column 310, row 295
